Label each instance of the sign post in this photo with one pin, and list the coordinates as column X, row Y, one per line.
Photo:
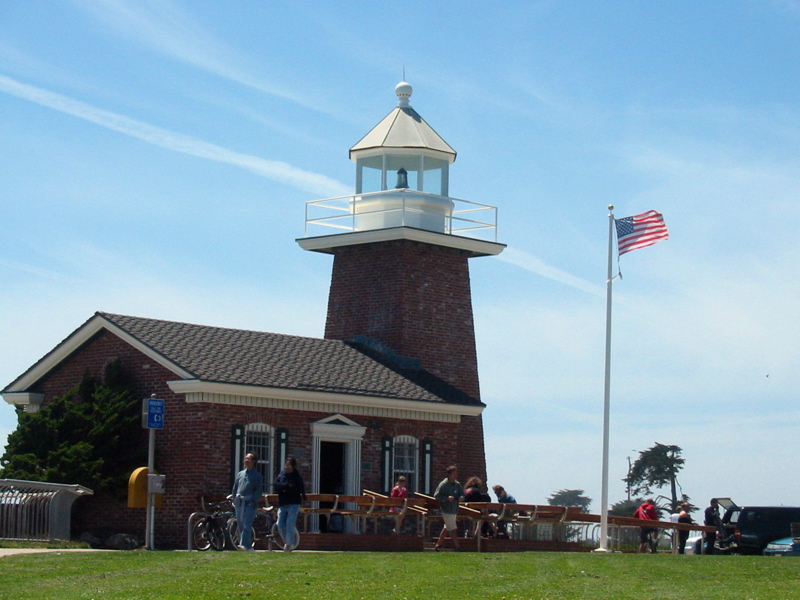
column 152, row 419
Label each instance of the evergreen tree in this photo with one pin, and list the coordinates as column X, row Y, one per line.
column 625, row 508
column 570, row 498
column 656, row 467
column 91, row 436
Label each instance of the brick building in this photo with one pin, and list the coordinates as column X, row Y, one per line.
column 392, row 388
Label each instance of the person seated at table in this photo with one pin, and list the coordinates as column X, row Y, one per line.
column 503, row 497
column 475, row 491
column 399, row 491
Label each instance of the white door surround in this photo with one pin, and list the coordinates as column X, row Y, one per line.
column 338, row 428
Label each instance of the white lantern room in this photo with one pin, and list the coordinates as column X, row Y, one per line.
column 402, row 191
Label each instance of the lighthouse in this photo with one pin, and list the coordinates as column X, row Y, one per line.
column 401, row 244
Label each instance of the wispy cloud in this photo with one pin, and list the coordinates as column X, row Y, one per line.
column 530, row 263
column 272, row 169
column 44, row 273
column 166, row 29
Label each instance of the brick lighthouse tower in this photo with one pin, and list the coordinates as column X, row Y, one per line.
column 401, row 247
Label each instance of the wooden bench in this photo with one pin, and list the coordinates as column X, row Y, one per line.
column 526, row 515
column 395, row 509
column 359, row 509
column 632, row 522
column 433, row 511
column 355, row 508
column 318, row 504
column 492, row 513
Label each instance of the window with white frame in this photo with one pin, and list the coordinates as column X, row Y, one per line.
column 260, row 440
column 405, row 460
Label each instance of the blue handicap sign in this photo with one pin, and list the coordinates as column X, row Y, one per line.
column 155, row 413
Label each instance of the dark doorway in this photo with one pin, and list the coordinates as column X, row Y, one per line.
column 331, row 480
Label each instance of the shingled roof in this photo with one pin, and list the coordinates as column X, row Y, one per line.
column 273, row 360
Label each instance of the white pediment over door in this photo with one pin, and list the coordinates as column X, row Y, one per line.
column 338, row 427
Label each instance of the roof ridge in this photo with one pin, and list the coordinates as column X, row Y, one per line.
column 113, row 317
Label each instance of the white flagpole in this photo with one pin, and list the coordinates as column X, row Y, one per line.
column 607, row 392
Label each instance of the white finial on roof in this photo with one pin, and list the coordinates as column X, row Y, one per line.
column 403, row 91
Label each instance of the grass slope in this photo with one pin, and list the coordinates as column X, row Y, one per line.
column 352, row 576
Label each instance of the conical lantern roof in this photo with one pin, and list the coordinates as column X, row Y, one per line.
column 404, row 128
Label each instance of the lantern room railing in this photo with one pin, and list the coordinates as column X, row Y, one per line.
column 401, row 208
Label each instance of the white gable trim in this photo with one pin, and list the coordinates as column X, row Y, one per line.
column 79, row 337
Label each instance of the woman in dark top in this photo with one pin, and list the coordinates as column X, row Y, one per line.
column 475, row 491
column 291, row 493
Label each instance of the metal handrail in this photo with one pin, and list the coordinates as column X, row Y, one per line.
column 340, row 212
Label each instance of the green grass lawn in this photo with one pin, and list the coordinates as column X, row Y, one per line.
column 395, row 576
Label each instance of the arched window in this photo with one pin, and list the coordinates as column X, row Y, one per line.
column 405, row 460
column 260, row 440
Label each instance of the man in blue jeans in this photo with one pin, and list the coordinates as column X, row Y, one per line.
column 247, row 490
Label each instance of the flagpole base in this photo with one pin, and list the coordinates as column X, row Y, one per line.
column 604, row 550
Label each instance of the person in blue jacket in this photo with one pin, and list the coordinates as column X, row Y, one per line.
column 503, row 497
column 247, row 490
column 291, row 493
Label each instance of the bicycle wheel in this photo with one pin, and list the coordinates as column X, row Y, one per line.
column 234, row 535
column 276, row 535
column 233, row 532
column 200, row 535
column 217, row 537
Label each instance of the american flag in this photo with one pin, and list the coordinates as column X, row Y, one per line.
column 639, row 231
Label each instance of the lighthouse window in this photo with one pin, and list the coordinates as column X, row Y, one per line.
column 369, row 175
column 434, row 176
column 433, row 182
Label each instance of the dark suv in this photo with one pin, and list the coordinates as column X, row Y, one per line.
column 756, row 526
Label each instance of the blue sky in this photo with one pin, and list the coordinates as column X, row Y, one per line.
column 155, row 159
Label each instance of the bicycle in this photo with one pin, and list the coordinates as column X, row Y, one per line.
column 210, row 531
column 265, row 526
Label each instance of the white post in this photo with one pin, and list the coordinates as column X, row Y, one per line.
column 607, row 393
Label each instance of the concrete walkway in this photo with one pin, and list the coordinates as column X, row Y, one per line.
column 14, row 551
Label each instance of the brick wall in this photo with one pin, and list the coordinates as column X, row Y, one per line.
column 471, row 452
column 194, row 449
column 416, row 299
column 413, row 297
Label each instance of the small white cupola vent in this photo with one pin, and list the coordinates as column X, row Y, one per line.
column 403, row 91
